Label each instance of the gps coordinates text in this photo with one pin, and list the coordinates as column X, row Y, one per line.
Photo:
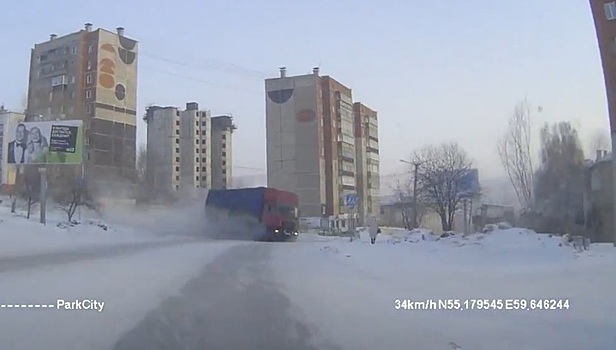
column 482, row 304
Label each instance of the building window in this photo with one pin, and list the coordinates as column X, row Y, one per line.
column 197, row 169
column 203, row 123
column 177, row 140
column 197, row 159
column 224, row 137
column 224, row 162
column 177, row 122
column 73, row 79
column 224, row 171
column 74, row 50
column 197, row 123
column 224, row 145
column 197, row 132
column 177, row 159
column 197, row 141
column 177, row 150
column 203, row 169
column 197, row 150
column 88, row 94
column 177, row 132
column 610, row 10
column 90, row 48
column 224, row 154
column 197, row 178
column 88, row 109
column 177, row 168
column 89, row 65
column 203, row 178
column 88, row 79
column 203, row 160
column 203, row 132
column 177, row 178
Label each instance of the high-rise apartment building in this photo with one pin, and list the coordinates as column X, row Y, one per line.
column 222, row 151
column 311, row 141
column 90, row 75
column 8, row 173
column 604, row 14
column 367, row 156
column 187, row 149
column 295, row 139
column 339, row 139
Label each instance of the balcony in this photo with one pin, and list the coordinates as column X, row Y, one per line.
column 59, row 80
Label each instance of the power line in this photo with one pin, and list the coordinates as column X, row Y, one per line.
column 208, row 82
column 229, row 67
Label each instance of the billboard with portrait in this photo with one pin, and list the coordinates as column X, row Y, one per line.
column 45, row 142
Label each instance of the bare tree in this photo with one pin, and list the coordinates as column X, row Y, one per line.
column 560, row 179
column 29, row 187
column 440, row 178
column 403, row 204
column 142, row 160
column 78, row 197
column 72, row 192
column 514, row 150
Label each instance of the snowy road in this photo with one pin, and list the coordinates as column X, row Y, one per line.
column 312, row 294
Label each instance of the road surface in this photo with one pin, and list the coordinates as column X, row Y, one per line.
column 228, row 299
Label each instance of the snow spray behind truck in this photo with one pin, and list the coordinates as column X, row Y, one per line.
column 259, row 213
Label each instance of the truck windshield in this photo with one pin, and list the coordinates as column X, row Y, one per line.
column 287, row 211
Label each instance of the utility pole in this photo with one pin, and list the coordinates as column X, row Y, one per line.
column 416, row 166
column 416, row 172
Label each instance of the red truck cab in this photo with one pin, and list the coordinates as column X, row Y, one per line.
column 280, row 213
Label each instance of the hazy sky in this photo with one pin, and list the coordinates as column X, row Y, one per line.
column 434, row 70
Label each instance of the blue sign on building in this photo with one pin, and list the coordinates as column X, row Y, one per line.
column 350, row 200
column 468, row 184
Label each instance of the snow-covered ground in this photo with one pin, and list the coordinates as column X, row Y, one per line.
column 346, row 290
column 130, row 286
column 22, row 236
column 351, row 289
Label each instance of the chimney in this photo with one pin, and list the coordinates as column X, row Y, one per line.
column 315, row 70
column 598, row 155
column 52, row 36
column 283, row 72
column 88, row 27
column 120, row 31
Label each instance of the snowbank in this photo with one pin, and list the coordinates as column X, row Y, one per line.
column 515, row 246
column 360, row 283
column 22, row 236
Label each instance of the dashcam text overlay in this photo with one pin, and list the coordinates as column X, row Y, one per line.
column 63, row 305
column 482, row 304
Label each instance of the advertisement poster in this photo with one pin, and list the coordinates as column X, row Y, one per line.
column 46, row 142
